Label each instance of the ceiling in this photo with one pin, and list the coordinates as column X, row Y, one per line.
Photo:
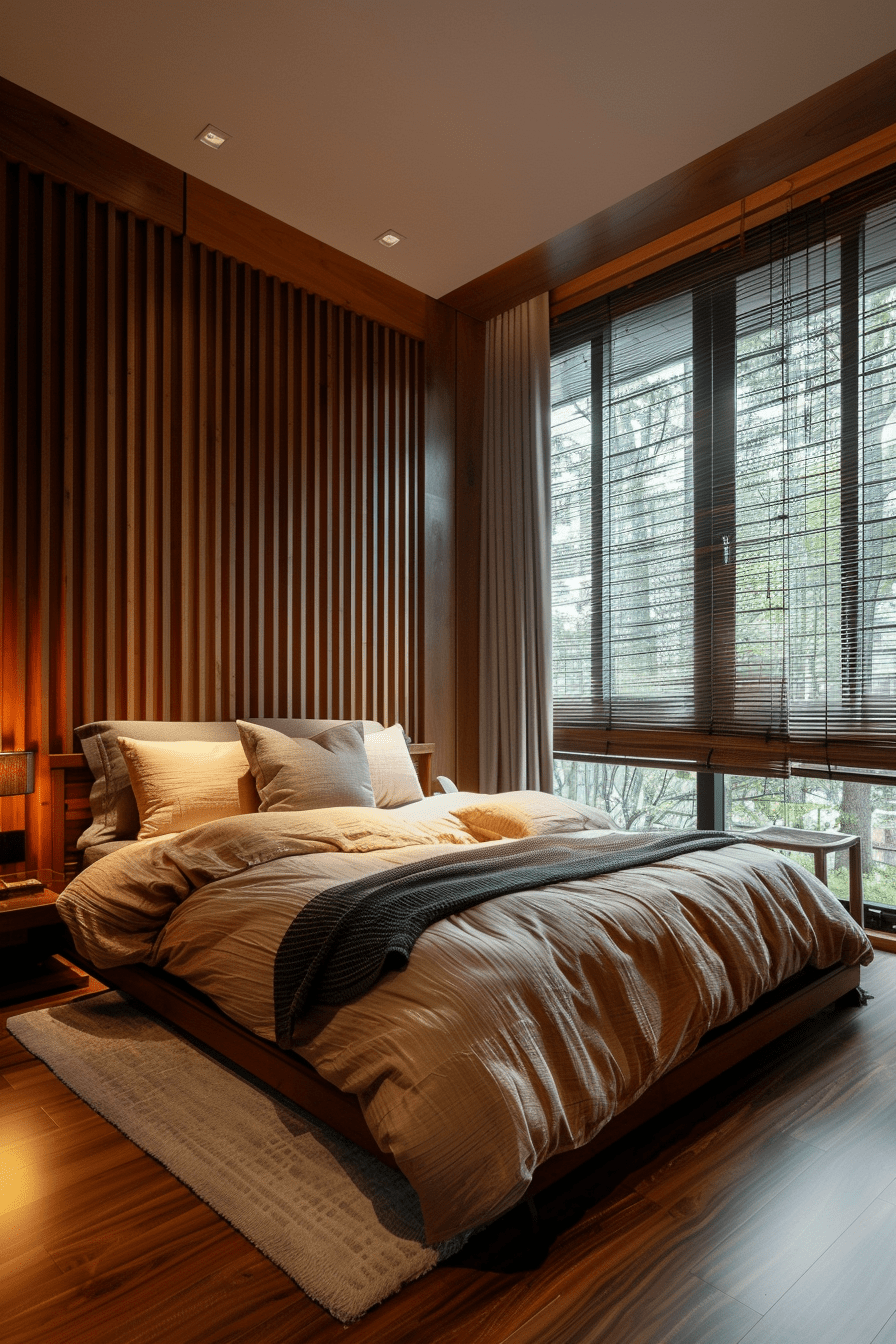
column 475, row 128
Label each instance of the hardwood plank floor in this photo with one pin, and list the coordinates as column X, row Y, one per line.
column 762, row 1210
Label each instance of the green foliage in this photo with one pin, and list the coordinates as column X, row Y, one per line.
column 651, row 799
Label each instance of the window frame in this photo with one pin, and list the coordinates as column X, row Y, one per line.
column 715, row 554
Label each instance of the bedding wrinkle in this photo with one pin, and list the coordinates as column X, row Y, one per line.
column 519, row 1026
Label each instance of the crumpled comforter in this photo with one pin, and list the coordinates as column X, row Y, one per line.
column 519, row 1027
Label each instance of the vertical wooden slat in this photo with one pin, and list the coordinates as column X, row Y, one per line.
column 41, row 538
column 246, row 691
column 260, row 519
column 275, row 536
column 150, row 501
column 114, row 568
column 133, row 588
column 300, row 620
column 90, row 636
column 291, row 449
column 202, row 512
column 314, row 633
column 232, row 488
column 349, row 511
column 187, row 537
column 220, row 701
column 166, row 582
column 21, row 725
column 65, row 725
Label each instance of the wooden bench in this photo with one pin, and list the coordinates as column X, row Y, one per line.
column 819, row 844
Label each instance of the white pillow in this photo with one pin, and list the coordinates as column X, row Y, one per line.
column 395, row 781
column 182, row 784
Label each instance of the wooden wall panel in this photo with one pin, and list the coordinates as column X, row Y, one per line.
column 441, row 618
column 468, row 505
column 210, row 490
column 455, row 390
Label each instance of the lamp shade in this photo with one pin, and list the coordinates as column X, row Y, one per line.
column 16, row 773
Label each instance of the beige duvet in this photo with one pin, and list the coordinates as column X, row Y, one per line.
column 519, row 1027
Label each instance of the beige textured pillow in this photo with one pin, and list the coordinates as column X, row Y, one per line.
column 182, row 784
column 511, row 816
column 297, row 774
column 392, row 772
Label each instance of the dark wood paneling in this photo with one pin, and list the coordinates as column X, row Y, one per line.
column 468, row 488
column 455, row 387
column 228, row 225
column 70, row 149
column 850, row 110
column 210, row 489
column 440, row 616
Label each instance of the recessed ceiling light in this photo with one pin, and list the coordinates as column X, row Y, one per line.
column 212, row 137
column 390, row 238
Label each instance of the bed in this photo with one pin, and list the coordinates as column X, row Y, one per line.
column 525, row 1032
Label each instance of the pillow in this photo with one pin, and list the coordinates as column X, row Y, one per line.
column 297, row 774
column 512, row 816
column 182, row 784
column 392, row 772
column 112, row 801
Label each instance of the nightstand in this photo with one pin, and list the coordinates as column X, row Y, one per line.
column 30, row 930
column 819, row 844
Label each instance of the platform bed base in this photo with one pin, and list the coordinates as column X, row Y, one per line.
column 770, row 1017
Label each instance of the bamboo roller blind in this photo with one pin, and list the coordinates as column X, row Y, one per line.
column 210, row 485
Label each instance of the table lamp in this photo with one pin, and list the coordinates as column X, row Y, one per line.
column 16, row 777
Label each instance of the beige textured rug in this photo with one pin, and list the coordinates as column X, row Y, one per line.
column 343, row 1226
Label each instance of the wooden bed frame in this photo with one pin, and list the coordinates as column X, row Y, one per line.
column 192, row 1012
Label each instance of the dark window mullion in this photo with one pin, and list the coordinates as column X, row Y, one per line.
column 721, row 469
column 850, row 626
column 599, row 673
column 703, row 519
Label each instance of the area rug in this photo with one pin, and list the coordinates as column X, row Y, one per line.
column 343, row 1226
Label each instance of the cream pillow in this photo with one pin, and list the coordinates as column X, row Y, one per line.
column 511, row 816
column 182, row 784
column 297, row 774
column 392, row 772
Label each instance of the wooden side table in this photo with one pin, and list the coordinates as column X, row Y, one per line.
column 421, row 755
column 819, row 844
column 29, row 935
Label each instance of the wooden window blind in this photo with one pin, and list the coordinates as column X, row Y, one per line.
column 724, row 502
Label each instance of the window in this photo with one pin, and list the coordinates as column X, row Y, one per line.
column 724, row 504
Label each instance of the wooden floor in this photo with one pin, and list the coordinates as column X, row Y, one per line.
column 763, row 1211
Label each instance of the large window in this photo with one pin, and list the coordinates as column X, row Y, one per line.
column 724, row 504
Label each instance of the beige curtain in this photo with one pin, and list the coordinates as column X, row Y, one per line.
column 515, row 611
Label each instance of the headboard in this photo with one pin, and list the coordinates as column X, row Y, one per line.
column 70, row 781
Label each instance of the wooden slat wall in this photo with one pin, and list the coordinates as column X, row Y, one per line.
column 210, row 492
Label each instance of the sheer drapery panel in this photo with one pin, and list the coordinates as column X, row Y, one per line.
column 515, row 623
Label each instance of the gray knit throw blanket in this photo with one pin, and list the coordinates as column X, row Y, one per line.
column 345, row 938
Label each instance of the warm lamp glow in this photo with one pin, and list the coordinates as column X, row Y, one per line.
column 16, row 773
